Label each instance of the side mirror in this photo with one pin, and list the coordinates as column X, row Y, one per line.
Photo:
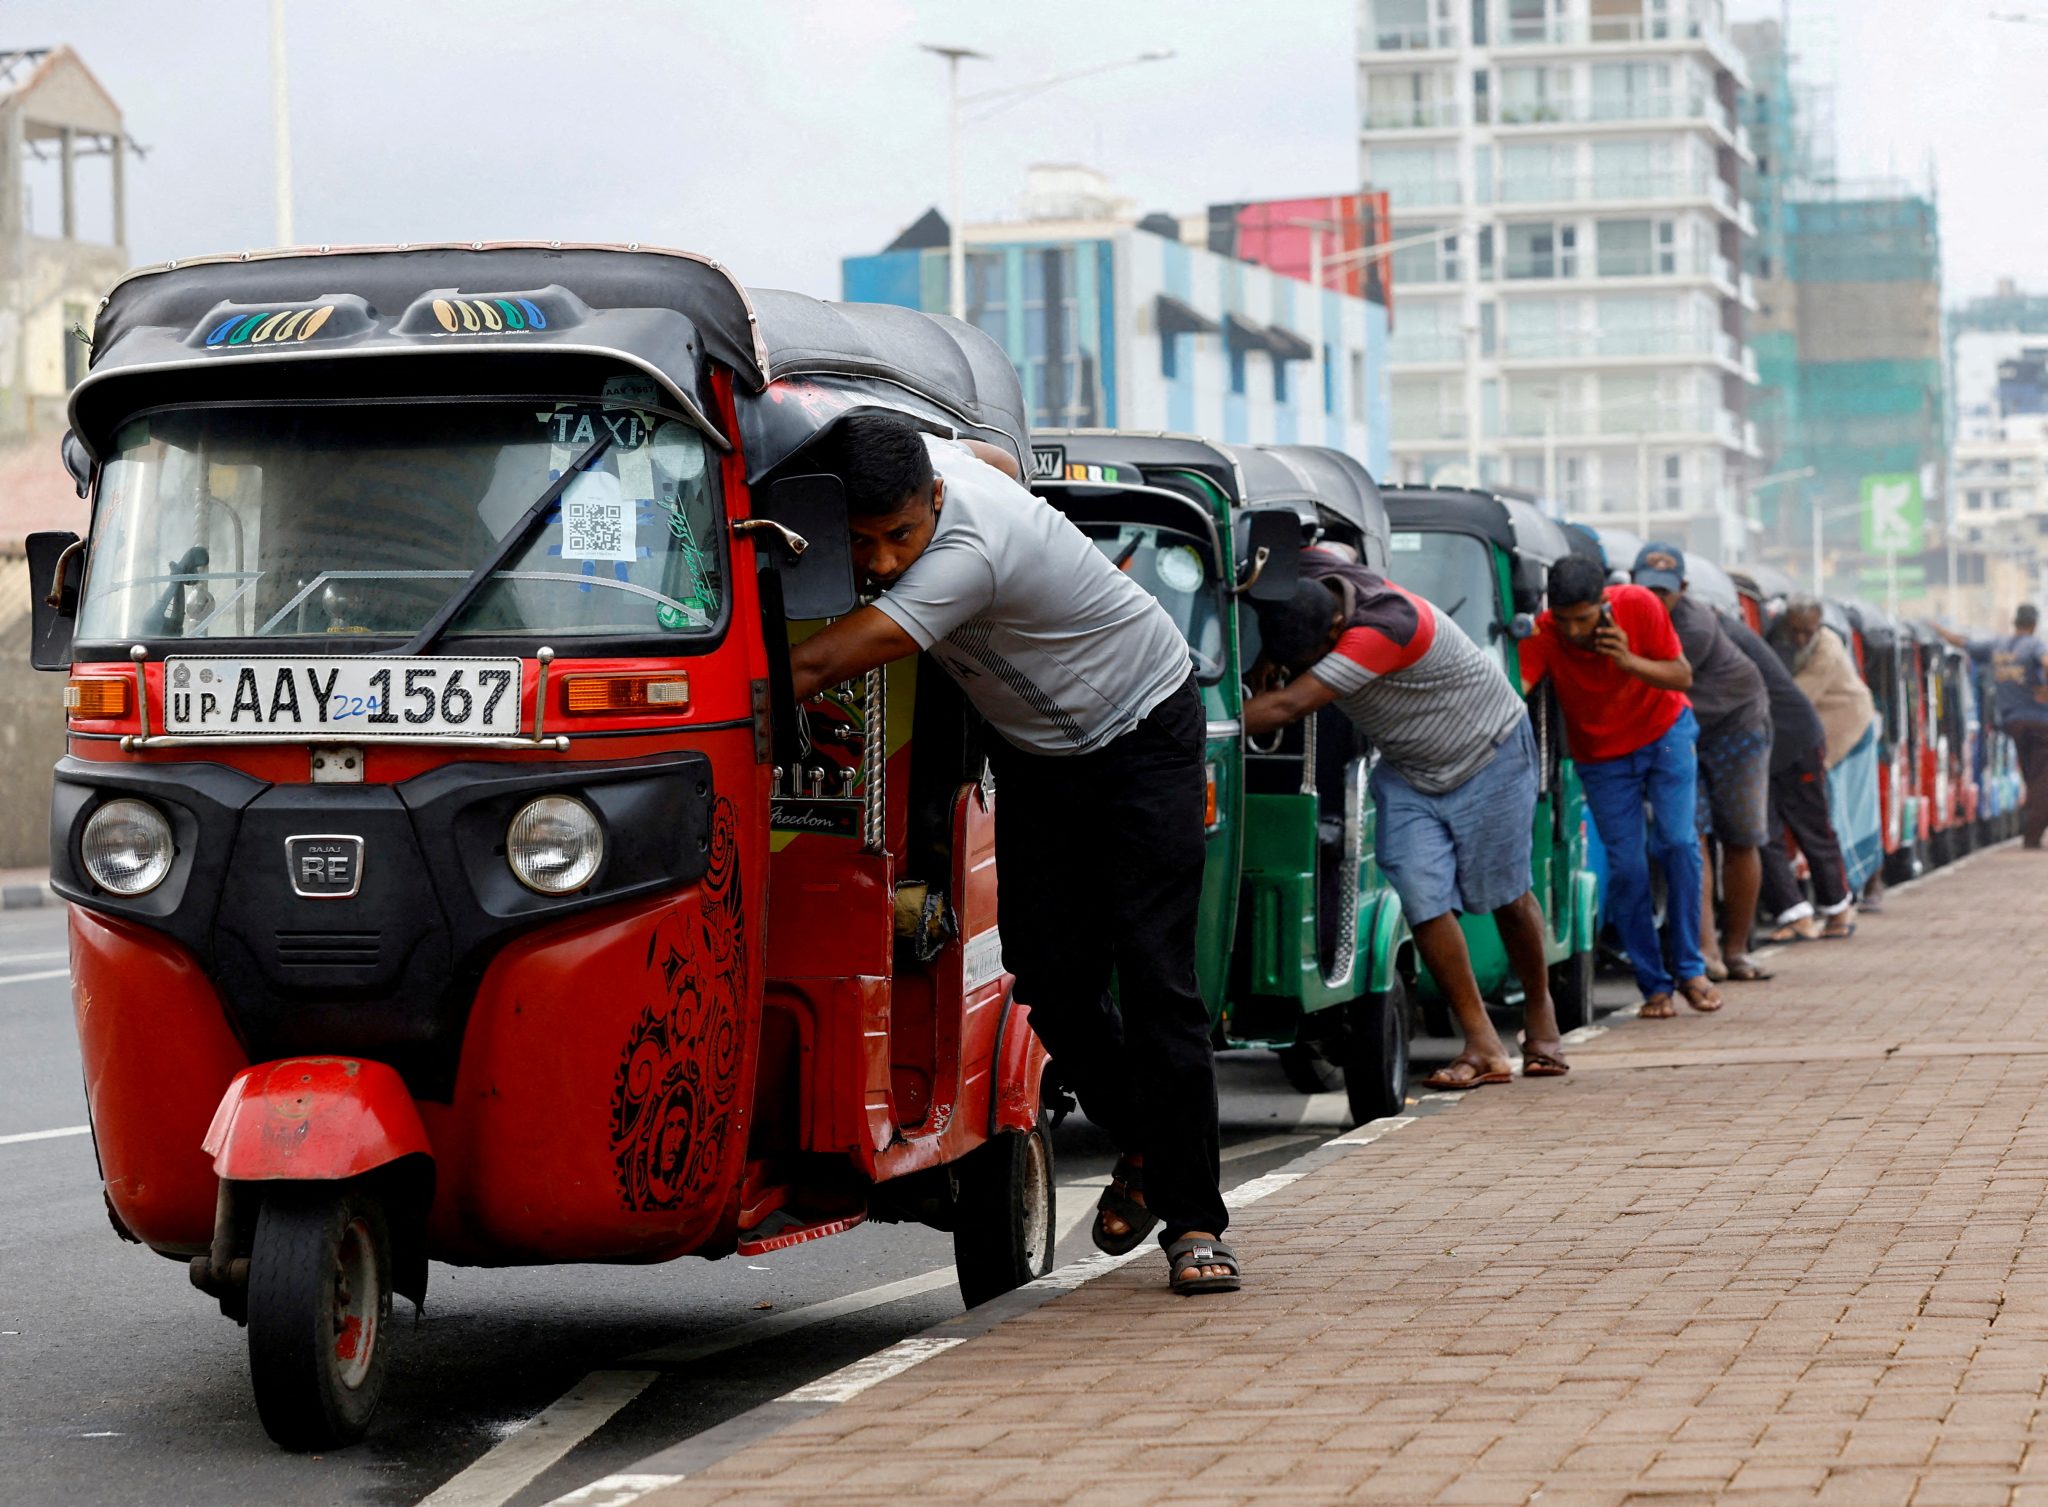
column 800, row 525
column 1269, row 565
column 56, row 570
column 78, row 463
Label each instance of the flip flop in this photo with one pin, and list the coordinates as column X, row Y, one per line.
column 1791, row 933
column 1438, row 1082
column 1541, row 1064
column 1746, row 971
column 1717, row 971
column 1689, row 990
column 1139, row 1221
column 1839, row 936
column 1657, row 1007
column 1192, row 1252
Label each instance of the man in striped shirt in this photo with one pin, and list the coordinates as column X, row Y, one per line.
column 1454, row 785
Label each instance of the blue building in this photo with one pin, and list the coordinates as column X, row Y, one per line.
column 1124, row 325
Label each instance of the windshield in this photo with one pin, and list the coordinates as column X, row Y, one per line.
column 1171, row 566
column 315, row 520
column 1454, row 572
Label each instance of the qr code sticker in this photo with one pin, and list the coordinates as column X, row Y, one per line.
column 597, row 521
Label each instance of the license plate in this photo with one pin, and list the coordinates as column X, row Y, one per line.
column 264, row 696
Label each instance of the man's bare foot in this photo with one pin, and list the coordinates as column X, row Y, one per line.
column 1805, row 929
column 1543, row 1059
column 1469, row 1070
column 1657, row 1007
column 1700, row 994
column 1840, row 925
column 1113, row 1224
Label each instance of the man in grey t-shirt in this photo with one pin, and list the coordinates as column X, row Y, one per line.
column 1100, row 798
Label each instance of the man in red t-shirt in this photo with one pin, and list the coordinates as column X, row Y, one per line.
column 1620, row 676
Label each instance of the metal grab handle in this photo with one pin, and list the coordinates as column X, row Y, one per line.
column 792, row 541
column 56, row 596
column 1259, row 558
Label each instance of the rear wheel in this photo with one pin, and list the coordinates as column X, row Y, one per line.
column 1571, row 990
column 1308, row 1071
column 1003, row 1217
column 319, row 1312
column 1376, row 1053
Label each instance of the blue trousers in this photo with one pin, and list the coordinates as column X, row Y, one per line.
column 1663, row 775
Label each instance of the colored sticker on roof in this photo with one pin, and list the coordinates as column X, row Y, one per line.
column 491, row 314
column 269, row 327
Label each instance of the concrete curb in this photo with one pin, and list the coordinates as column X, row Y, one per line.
column 685, row 1458
column 26, row 896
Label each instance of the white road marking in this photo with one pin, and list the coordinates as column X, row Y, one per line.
column 850, row 1381
column 1372, row 1130
column 1264, row 1144
column 45, row 1135
column 614, row 1491
column 32, row 957
column 506, row 1469
column 30, row 978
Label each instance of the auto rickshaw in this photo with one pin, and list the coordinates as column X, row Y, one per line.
column 1953, row 721
column 1299, row 930
column 1764, row 589
column 452, row 874
column 2000, row 788
column 1889, row 660
column 1484, row 561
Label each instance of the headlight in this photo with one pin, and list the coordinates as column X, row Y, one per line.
column 127, row 847
column 554, row 845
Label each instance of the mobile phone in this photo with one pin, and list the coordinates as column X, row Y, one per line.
column 1607, row 614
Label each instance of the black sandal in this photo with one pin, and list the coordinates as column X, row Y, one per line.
column 1139, row 1221
column 1191, row 1253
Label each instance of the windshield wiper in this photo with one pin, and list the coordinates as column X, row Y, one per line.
column 521, row 535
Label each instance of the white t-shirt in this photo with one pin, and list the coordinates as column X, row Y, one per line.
column 1055, row 646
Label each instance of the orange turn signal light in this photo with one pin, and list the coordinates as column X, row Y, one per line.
column 1209, row 800
column 668, row 691
column 96, row 696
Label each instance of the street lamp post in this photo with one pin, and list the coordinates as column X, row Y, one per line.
column 956, row 246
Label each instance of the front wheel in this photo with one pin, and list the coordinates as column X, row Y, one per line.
column 1003, row 1216
column 1307, row 1070
column 1571, row 990
column 319, row 1308
column 1376, row 1053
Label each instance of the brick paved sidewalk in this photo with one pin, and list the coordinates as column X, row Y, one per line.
column 1781, row 1254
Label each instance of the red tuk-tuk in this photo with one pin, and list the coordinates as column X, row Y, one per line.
column 452, row 874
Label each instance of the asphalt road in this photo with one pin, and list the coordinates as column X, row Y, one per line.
column 120, row 1383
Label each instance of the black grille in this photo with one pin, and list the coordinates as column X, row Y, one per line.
column 329, row 949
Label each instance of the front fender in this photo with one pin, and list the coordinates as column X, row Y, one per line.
column 1020, row 1069
column 1383, row 941
column 1584, row 920
column 313, row 1119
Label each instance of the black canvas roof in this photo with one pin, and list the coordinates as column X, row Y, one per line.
column 1315, row 479
column 1141, row 451
column 669, row 313
column 1507, row 521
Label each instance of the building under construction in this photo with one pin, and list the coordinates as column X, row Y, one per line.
column 1848, row 333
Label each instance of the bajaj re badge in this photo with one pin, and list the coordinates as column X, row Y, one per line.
column 325, row 867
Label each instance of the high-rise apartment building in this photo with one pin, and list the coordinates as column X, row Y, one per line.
column 1569, row 230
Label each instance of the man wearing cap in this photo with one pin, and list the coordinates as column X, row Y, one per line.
column 1620, row 677
column 1734, row 709
column 2019, row 671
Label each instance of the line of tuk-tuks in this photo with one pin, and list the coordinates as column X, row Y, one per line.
column 454, row 876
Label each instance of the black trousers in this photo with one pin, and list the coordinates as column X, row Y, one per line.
column 1100, row 856
column 2031, row 740
column 1799, row 801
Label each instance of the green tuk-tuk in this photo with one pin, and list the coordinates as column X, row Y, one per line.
column 1484, row 560
column 1300, row 932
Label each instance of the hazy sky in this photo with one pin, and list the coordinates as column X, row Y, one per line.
column 782, row 134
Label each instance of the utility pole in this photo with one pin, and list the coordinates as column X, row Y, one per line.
column 280, row 126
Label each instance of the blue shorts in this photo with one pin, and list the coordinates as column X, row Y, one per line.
column 1467, row 849
column 1734, row 798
